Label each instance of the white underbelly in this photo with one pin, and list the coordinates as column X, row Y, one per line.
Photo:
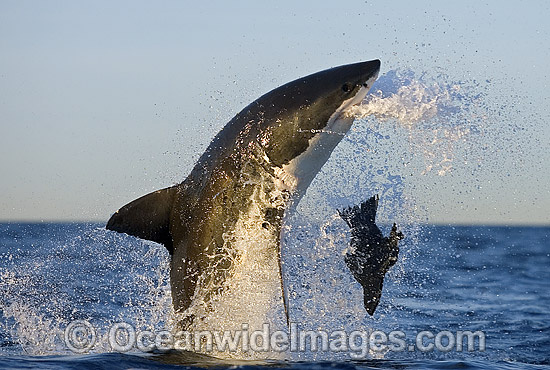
column 302, row 170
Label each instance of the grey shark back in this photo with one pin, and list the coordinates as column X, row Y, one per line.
column 224, row 220
column 371, row 254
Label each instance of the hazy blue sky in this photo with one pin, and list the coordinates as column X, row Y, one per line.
column 104, row 101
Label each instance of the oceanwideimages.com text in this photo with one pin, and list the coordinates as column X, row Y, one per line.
column 80, row 336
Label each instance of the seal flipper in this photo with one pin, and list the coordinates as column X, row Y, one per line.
column 147, row 217
column 361, row 218
column 372, row 292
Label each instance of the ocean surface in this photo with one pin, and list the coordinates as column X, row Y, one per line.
column 493, row 280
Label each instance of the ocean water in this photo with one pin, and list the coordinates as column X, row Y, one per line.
column 476, row 278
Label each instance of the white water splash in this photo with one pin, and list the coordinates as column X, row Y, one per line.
column 410, row 104
column 435, row 114
column 100, row 277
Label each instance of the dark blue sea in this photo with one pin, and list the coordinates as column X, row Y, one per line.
column 490, row 280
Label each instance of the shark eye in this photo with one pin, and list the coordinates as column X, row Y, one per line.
column 346, row 87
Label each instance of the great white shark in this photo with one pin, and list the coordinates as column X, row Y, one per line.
column 222, row 224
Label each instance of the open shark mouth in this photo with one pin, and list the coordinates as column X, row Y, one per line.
column 297, row 175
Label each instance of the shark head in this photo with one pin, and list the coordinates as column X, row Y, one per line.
column 301, row 122
column 295, row 113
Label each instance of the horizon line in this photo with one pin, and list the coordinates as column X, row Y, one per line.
column 435, row 223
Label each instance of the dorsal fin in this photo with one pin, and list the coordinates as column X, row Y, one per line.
column 147, row 217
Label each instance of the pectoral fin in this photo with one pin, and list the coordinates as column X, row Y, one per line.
column 147, row 217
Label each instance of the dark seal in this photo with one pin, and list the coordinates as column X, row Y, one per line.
column 371, row 254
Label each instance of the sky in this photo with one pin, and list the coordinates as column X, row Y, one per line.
column 102, row 102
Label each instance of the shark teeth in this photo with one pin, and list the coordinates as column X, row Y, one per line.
column 286, row 181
